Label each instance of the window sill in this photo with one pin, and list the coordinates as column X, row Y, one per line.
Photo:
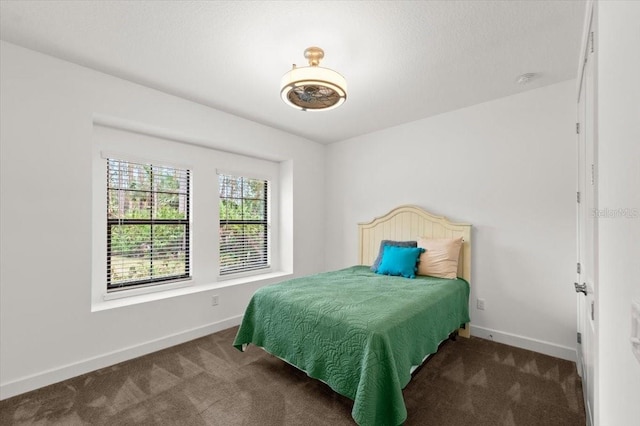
column 123, row 300
column 141, row 291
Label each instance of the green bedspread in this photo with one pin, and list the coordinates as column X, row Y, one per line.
column 357, row 331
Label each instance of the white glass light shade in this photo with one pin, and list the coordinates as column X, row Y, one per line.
column 313, row 88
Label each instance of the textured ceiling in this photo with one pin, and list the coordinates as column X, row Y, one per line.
column 402, row 60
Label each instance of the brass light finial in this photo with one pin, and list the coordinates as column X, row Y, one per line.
column 314, row 55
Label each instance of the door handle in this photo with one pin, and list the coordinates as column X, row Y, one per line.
column 581, row 288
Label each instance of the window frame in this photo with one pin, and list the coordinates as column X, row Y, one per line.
column 265, row 222
column 151, row 222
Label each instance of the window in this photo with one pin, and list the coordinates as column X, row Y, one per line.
column 147, row 224
column 244, row 226
column 163, row 226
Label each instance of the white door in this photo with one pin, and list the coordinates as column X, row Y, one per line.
column 586, row 285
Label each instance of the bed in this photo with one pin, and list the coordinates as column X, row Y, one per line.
column 360, row 332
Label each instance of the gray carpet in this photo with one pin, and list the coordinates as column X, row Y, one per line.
column 208, row 382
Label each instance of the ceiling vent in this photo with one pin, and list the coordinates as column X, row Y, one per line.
column 526, row 78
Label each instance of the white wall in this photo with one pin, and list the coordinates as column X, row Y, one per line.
column 508, row 167
column 618, row 172
column 47, row 329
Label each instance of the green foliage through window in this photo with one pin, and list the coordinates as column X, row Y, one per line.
column 244, row 227
column 147, row 223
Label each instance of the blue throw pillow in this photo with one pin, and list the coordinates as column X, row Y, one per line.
column 384, row 243
column 400, row 261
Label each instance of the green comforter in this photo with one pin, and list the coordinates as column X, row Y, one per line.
column 357, row 331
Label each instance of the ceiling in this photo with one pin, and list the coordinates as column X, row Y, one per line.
column 403, row 61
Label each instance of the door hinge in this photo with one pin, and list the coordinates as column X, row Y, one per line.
column 578, row 268
column 593, row 315
column 591, row 40
column 579, row 337
column 578, row 197
column 578, row 128
column 593, row 174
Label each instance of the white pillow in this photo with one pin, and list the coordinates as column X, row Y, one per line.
column 440, row 258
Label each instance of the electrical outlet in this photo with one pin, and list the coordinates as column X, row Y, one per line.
column 215, row 300
column 480, row 304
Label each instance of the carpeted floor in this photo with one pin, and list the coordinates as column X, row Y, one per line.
column 208, row 382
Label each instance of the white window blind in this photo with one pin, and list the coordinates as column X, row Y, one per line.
column 244, row 227
column 147, row 224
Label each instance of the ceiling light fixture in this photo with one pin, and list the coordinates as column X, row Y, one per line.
column 313, row 88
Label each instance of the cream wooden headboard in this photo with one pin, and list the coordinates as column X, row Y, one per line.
column 410, row 223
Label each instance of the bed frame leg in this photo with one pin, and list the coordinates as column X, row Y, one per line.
column 465, row 331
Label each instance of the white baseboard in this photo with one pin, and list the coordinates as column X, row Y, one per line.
column 65, row 372
column 535, row 345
